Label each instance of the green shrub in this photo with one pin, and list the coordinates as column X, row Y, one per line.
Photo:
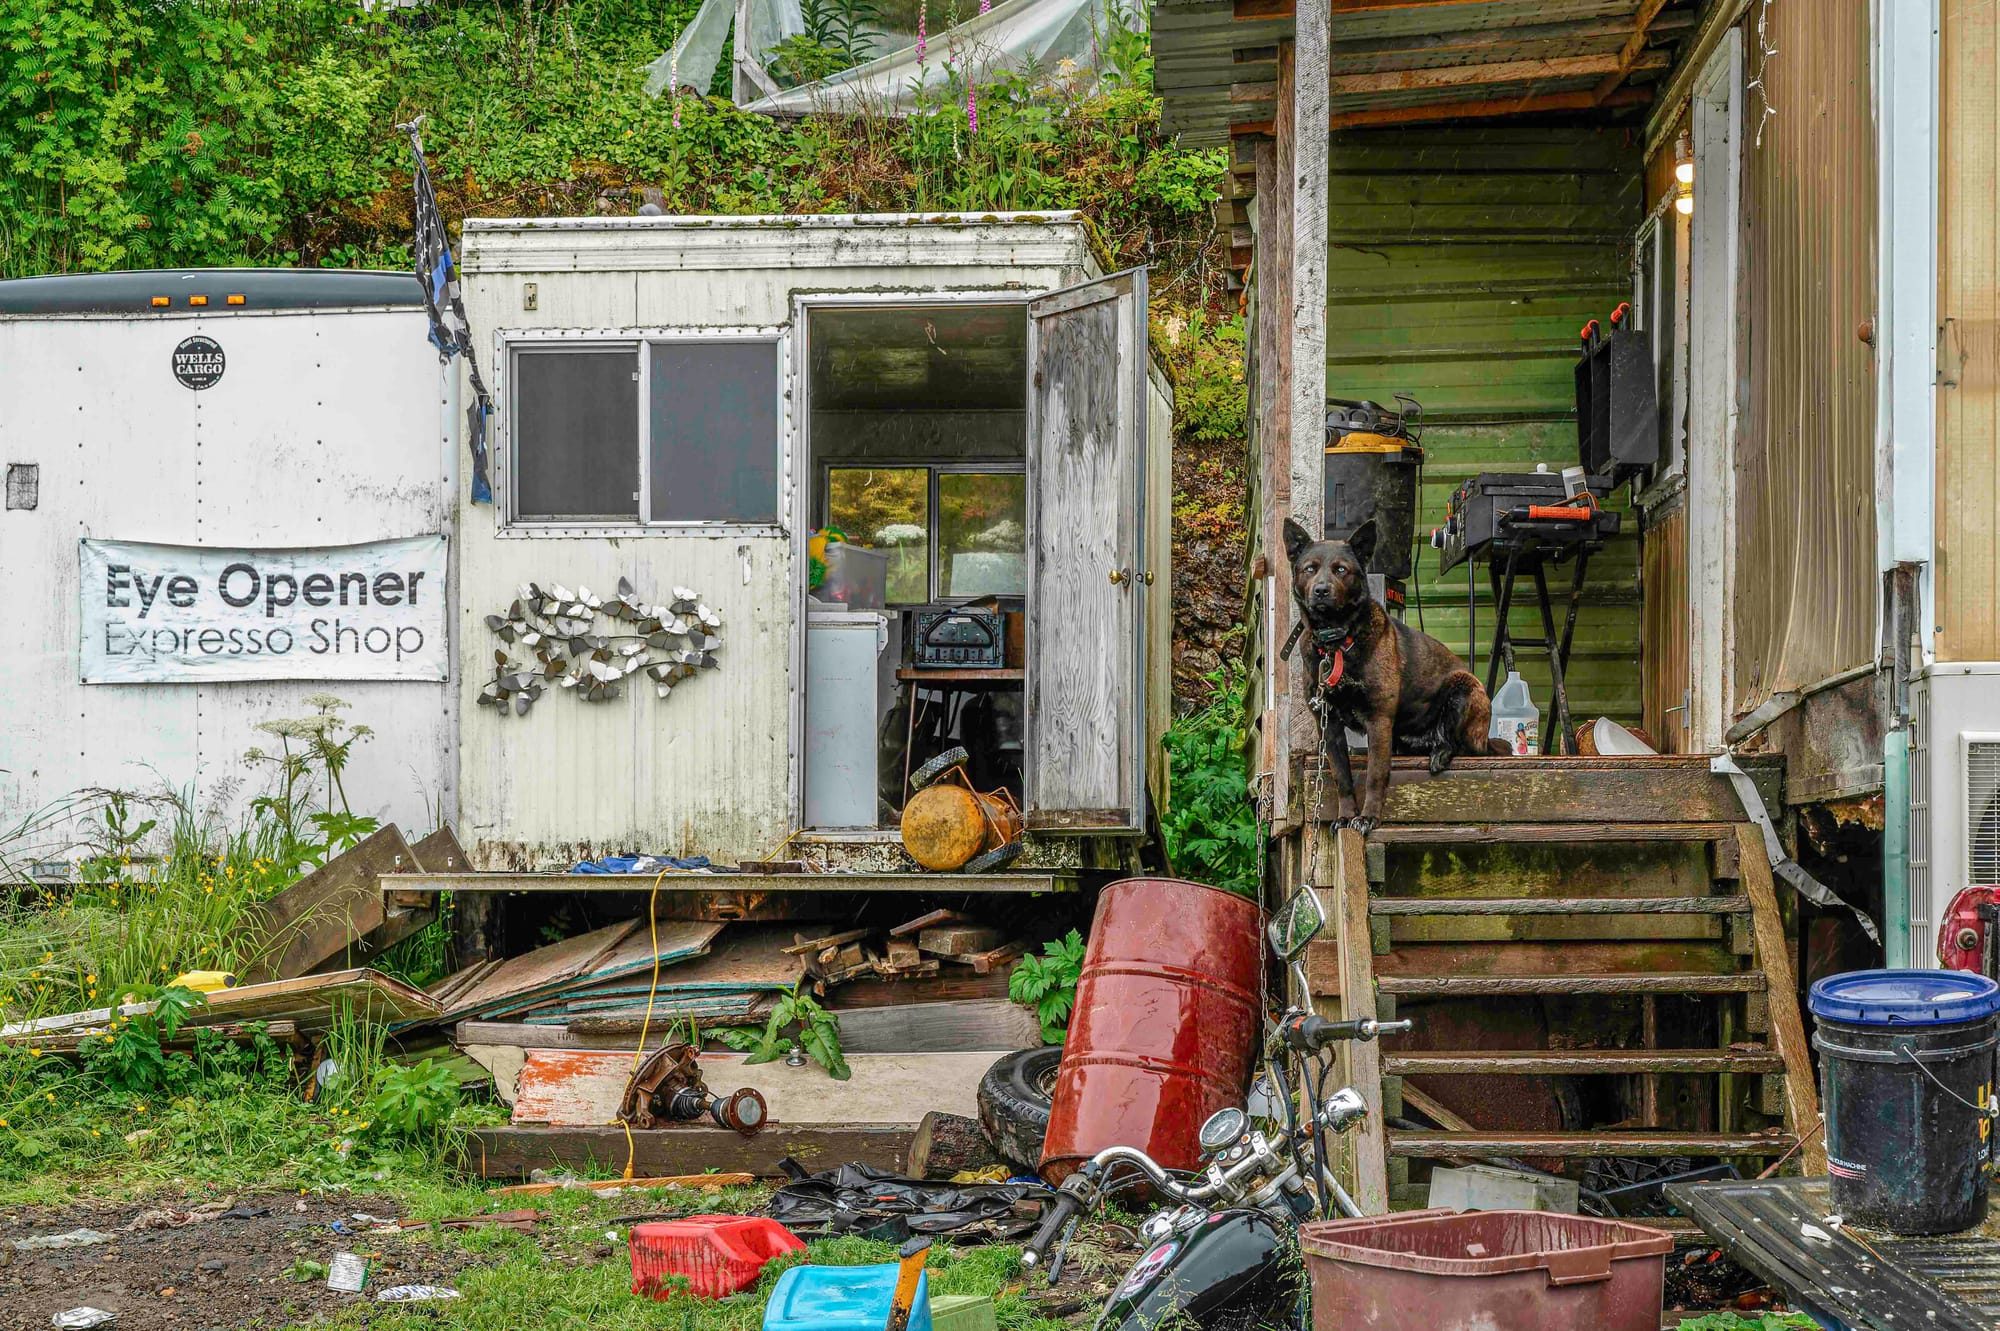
column 1210, row 823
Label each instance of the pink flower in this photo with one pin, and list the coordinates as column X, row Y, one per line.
column 971, row 109
column 985, row 5
column 923, row 7
column 674, row 84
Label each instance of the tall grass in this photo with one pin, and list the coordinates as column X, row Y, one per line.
column 135, row 918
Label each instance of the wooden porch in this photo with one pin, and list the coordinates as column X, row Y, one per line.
column 1594, row 955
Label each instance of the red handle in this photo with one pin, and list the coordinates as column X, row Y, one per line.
column 1618, row 315
column 1588, row 331
column 1550, row 513
column 1580, row 1266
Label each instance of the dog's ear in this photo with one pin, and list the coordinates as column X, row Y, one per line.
column 1362, row 543
column 1297, row 538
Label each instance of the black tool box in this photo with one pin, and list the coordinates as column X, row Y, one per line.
column 1496, row 503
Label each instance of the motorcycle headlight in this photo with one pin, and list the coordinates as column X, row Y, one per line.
column 1225, row 1127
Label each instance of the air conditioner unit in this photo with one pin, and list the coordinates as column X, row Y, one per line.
column 1954, row 791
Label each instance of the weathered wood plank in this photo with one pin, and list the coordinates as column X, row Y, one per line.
column 1558, row 906
column 329, row 911
column 1361, row 1059
column 1499, row 834
column 512, row 1152
column 1559, row 959
column 581, row 1087
column 1595, row 1144
column 1787, row 1029
column 1576, row 1062
column 1469, row 793
column 1469, row 986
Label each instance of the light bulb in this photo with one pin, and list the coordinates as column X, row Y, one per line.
column 1685, row 173
column 1684, row 204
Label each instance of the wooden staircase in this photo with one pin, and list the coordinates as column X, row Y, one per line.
column 1595, row 958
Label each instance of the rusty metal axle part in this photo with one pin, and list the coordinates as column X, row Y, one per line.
column 667, row 1088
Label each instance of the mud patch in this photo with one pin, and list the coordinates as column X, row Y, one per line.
column 221, row 1273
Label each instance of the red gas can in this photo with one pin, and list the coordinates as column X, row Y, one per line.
column 1165, row 1027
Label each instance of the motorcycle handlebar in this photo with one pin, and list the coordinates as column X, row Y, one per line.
column 1310, row 1034
column 1061, row 1211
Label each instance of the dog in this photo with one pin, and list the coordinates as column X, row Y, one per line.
column 1404, row 689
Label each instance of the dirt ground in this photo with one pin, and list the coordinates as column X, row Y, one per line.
column 212, row 1273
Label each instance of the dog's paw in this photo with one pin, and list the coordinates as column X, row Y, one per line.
column 1364, row 824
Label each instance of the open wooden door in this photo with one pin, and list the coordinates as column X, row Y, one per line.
column 1087, row 573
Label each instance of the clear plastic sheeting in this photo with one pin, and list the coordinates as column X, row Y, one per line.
column 1034, row 37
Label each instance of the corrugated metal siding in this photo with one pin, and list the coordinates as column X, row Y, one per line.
column 1463, row 262
column 708, row 769
column 1968, row 442
column 325, row 430
column 1665, row 631
column 1806, row 591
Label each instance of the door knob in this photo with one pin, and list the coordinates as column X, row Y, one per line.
column 1120, row 576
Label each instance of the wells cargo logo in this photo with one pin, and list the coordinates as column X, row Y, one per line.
column 169, row 614
column 198, row 362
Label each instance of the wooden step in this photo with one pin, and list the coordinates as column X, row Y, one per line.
column 1529, row 1145
column 1558, row 905
column 1500, row 834
column 1468, row 986
column 1576, row 1062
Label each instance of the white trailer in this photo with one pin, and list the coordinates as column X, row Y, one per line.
column 227, row 490
column 681, row 402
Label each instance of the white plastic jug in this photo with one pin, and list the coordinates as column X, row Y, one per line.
column 1516, row 719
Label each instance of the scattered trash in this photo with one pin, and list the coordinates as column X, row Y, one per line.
column 245, row 1211
column 74, row 1238
column 415, row 1293
column 80, row 1319
column 858, row 1199
column 346, row 1273
column 177, row 1219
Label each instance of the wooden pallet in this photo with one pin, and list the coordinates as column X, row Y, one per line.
column 1581, row 886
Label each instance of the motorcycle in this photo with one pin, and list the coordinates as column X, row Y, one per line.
column 1223, row 1251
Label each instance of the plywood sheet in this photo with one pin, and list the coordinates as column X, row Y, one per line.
column 532, row 972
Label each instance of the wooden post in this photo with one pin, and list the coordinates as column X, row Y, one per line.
column 1274, row 451
column 1346, row 902
column 1774, row 958
column 1308, row 103
column 1278, row 440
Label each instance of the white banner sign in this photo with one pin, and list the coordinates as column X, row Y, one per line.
column 174, row 614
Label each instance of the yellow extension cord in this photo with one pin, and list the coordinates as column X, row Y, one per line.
column 653, row 989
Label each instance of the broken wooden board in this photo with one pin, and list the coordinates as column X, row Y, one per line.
column 512, row 1152
column 581, row 1087
column 311, row 1003
column 543, row 969
column 334, row 909
column 926, row 921
column 960, row 940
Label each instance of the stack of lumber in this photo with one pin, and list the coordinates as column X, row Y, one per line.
column 683, row 970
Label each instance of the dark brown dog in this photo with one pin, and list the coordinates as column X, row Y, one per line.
column 1404, row 689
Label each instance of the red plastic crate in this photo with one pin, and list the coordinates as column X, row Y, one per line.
column 715, row 1255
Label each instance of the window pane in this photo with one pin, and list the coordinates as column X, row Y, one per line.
column 887, row 508
column 715, row 431
column 983, row 533
column 576, row 435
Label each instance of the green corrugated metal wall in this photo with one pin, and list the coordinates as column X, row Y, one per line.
column 1463, row 263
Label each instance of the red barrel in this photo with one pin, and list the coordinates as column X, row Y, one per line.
column 1165, row 1027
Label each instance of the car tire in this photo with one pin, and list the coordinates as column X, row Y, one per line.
column 938, row 766
column 996, row 859
column 1015, row 1097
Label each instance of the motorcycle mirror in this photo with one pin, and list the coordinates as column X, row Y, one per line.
column 1296, row 923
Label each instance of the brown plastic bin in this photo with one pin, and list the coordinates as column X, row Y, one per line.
column 1485, row 1271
